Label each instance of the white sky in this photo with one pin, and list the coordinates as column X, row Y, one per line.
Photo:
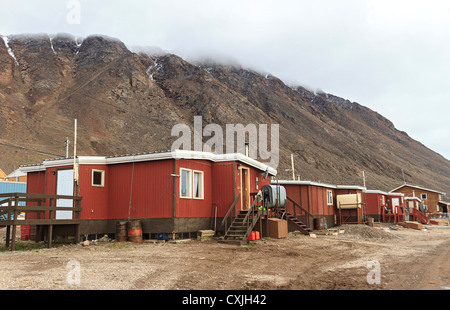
column 391, row 56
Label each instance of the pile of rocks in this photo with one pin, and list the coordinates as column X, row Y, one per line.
column 367, row 232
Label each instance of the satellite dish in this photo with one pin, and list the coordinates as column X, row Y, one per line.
column 266, row 173
column 264, row 176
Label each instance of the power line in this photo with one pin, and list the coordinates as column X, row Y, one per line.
column 24, row 148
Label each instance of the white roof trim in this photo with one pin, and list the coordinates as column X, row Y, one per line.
column 396, row 194
column 373, row 191
column 418, row 187
column 292, row 182
column 16, row 173
column 177, row 154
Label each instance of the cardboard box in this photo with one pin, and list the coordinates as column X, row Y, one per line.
column 277, row 228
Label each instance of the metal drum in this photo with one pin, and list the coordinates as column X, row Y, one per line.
column 134, row 231
column 121, row 231
column 318, row 224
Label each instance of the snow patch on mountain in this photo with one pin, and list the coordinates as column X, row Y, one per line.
column 10, row 52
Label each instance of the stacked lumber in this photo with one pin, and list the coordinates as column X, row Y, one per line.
column 204, row 235
column 414, row 225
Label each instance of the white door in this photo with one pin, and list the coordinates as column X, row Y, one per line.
column 395, row 205
column 64, row 186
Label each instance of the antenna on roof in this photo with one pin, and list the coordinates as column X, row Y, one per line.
column 293, row 169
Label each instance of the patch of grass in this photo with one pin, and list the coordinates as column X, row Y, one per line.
column 23, row 246
column 119, row 245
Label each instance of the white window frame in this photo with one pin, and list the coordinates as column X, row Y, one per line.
column 202, row 184
column 189, row 180
column 103, row 178
column 329, row 195
column 423, row 196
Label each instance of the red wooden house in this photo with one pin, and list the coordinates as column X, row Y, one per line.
column 395, row 208
column 179, row 191
column 320, row 200
column 386, row 207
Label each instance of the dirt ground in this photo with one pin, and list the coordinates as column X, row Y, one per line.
column 408, row 260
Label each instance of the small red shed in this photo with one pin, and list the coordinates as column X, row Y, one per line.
column 376, row 202
column 179, row 191
column 395, row 208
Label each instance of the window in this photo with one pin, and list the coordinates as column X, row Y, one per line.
column 330, row 197
column 198, row 184
column 423, row 196
column 185, row 183
column 98, row 178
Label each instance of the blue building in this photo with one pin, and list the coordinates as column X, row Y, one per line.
column 12, row 187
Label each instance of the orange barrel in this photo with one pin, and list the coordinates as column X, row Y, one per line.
column 121, row 231
column 318, row 223
column 134, row 231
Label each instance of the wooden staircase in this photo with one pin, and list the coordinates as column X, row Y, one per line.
column 242, row 224
column 244, row 221
column 304, row 229
column 419, row 216
column 241, row 227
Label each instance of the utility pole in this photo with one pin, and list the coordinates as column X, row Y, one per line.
column 75, row 167
column 364, row 178
column 67, row 147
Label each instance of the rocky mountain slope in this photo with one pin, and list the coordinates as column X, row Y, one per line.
column 128, row 101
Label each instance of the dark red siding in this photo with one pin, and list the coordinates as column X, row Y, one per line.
column 374, row 203
column 312, row 198
column 95, row 199
column 140, row 190
column 223, row 182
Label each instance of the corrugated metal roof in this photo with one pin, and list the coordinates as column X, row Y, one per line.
column 128, row 158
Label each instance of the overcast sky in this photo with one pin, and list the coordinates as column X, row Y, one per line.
column 391, row 56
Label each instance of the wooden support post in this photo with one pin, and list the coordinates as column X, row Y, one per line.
column 13, row 238
column 50, row 233
column 77, row 233
column 260, row 227
column 8, row 233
